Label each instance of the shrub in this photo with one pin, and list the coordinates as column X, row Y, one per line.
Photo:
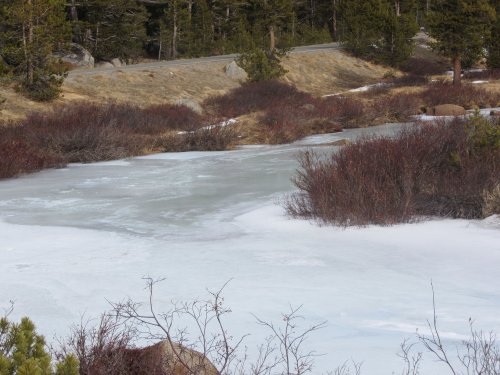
column 465, row 95
column 22, row 351
column 398, row 107
column 423, row 67
column 89, row 132
column 439, row 169
column 43, row 89
column 256, row 96
column 349, row 112
column 262, row 65
column 410, row 80
column 17, row 157
column 211, row 138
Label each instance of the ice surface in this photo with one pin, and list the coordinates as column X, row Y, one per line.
column 74, row 238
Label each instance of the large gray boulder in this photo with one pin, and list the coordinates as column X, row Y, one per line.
column 233, row 71
column 77, row 56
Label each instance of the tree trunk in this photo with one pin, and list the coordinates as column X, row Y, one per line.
column 272, row 38
column 30, row 67
column 76, row 37
column 397, row 6
column 73, row 12
column 457, row 70
column 334, row 20
column 174, row 36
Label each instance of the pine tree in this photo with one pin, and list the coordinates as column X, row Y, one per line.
column 493, row 44
column 113, row 28
column 32, row 30
column 22, row 352
column 399, row 27
column 362, row 23
column 461, row 28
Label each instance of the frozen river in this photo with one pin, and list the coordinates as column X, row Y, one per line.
column 72, row 239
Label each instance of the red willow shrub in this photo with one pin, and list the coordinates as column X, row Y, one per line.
column 87, row 132
column 439, row 169
column 256, row 96
column 396, row 108
column 465, row 95
column 18, row 157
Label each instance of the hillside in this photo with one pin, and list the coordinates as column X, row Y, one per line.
column 318, row 72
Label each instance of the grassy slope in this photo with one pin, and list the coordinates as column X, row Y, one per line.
column 319, row 73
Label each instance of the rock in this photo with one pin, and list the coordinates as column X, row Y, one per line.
column 77, row 56
column 446, row 110
column 118, row 63
column 165, row 358
column 194, row 105
column 104, row 64
column 233, row 71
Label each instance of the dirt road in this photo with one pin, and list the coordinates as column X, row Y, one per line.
column 181, row 62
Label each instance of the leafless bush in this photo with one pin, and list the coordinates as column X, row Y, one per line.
column 191, row 338
column 479, row 355
column 347, row 368
column 411, row 361
column 437, row 169
column 101, row 349
column 465, row 95
column 257, row 96
column 396, row 108
column 294, row 360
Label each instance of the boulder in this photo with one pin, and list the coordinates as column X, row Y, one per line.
column 117, row 63
column 77, row 56
column 166, row 358
column 104, row 64
column 194, row 105
column 446, row 110
column 233, row 71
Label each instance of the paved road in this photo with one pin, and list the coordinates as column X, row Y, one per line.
column 169, row 63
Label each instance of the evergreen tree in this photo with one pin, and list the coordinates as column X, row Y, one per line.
column 362, row 23
column 31, row 31
column 262, row 65
column 461, row 28
column 399, row 27
column 493, row 45
column 273, row 16
column 22, row 352
column 113, row 28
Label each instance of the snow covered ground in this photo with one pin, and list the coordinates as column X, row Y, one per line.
column 74, row 238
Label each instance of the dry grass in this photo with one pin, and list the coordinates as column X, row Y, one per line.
column 319, row 73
